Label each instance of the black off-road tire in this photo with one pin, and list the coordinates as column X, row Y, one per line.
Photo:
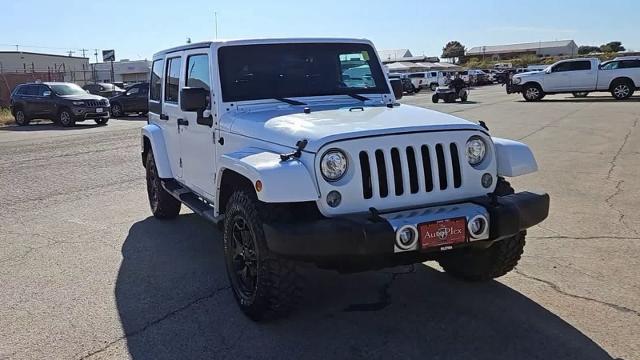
column 66, row 118
column 435, row 98
column 278, row 285
column 21, row 117
column 476, row 264
column 163, row 205
column 433, row 86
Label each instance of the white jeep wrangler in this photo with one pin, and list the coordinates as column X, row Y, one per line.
column 266, row 139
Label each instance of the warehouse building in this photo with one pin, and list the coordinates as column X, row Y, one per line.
column 539, row 49
column 124, row 71
column 58, row 67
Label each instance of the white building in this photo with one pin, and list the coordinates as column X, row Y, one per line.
column 540, row 49
column 394, row 55
column 71, row 68
column 125, row 71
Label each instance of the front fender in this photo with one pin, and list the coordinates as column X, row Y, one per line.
column 154, row 134
column 514, row 158
column 282, row 181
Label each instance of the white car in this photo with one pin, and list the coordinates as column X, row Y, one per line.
column 428, row 79
column 294, row 164
column 580, row 77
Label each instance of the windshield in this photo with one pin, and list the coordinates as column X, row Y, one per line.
column 253, row 72
column 67, row 89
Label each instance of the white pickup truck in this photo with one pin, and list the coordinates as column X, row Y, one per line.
column 580, row 77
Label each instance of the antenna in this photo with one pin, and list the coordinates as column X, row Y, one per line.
column 215, row 14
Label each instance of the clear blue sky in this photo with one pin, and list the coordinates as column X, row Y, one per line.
column 136, row 29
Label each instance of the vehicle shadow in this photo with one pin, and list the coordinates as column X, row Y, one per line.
column 41, row 126
column 174, row 302
column 588, row 99
column 131, row 117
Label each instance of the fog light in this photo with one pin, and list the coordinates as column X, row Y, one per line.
column 478, row 226
column 407, row 237
column 334, row 198
column 487, row 180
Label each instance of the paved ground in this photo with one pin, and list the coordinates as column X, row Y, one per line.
column 85, row 272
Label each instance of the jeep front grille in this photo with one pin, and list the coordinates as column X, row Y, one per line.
column 407, row 170
column 95, row 103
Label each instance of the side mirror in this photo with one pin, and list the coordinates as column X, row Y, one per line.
column 396, row 86
column 549, row 71
column 46, row 93
column 196, row 99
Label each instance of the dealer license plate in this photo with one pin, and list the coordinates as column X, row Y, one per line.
column 99, row 110
column 442, row 233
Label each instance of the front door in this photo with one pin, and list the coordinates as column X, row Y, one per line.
column 559, row 78
column 198, row 140
column 171, row 112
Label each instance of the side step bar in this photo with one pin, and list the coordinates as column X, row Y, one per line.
column 192, row 200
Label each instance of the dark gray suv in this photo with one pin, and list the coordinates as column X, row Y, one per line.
column 63, row 103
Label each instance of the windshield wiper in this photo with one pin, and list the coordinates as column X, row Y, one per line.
column 358, row 97
column 289, row 101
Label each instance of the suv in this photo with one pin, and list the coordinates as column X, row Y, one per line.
column 133, row 100
column 63, row 103
column 267, row 140
column 103, row 89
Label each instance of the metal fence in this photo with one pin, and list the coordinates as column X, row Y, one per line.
column 9, row 80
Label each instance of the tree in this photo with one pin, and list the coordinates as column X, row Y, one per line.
column 614, row 46
column 453, row 50
column 587, row 49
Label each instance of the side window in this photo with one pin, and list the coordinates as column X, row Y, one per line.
column 565, row 66
column 40, row 89
column 611, row 65
column 31, row 90
column 629, row 64
column 155, row 82
column 133, row 91
column 198, row 72
column 581, row 65
column 172, row 80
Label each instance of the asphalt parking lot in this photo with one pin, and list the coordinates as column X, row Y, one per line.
column 86, row 272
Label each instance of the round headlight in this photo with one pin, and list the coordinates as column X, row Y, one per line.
column 333, row 165
column 475, row 150
column 516, row 80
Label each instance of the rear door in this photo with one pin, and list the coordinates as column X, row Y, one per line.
column 584, row 75
column 198, row 140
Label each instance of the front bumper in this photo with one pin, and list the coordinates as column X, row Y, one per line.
column 366, row 235
column 83, row 113
column 511, row 88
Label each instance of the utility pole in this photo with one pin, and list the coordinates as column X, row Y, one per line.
column 83, row 52
column 96, row 54
column 17, row 47
column 71, row 52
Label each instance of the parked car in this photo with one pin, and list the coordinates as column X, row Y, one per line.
column 580, row 77
column 103, row 89
column 314, row 170
column 407, row 85
column 429, row 79
column 133, row 100
column 63, row 103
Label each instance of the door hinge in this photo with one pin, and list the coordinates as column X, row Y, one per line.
column 214, row 137
column 180, row 162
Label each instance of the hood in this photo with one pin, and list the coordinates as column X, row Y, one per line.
column 79, row 97
column 528, row 73
column 286, row 127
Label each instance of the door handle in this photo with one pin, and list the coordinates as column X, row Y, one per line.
column 164, row 117
column 183, row 122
